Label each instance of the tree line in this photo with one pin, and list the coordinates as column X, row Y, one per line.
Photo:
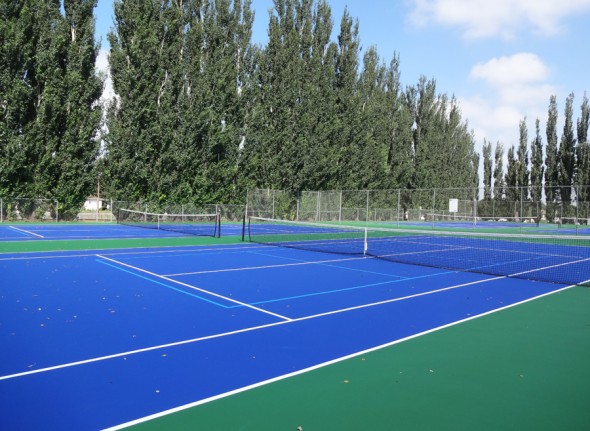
column 556, row 173
column 49, row 115
column 202, row 114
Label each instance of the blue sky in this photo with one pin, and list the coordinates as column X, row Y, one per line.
column 502, row 59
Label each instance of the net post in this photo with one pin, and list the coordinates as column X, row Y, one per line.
column 366, row 242
column 249, row 232
column 244, row 227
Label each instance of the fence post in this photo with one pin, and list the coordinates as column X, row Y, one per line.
column 521, row 208
column 317, row 207
column 433, row 205
column 398, row 204
column 367, row 214
column 577, row 203
column 475, row 202
column 340, row 207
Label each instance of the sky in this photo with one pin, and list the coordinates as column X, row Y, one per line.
column 501, row 59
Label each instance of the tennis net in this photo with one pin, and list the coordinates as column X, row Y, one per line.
column 557, row 259
column 187, row 224
column 481, row 221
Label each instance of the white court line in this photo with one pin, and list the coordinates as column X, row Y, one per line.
column 451, row 247
column 239, row 331
column 322, row 365
column 318, row 262
column 171, row 280
column 135, row 352
column 127, row 251
column 278, row 265
column 28, row 232
column 552, row 266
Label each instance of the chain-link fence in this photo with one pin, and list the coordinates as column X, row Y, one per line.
column 546, row 207
column 523, row 206
column 268, row 203
column 228, row 212
column 23, row 209
column 105, row 210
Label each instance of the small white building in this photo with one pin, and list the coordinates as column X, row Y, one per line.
column 93, row 203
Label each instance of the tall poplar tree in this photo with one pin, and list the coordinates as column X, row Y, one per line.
column 423, row 102
column 444, row 148
column 347, row 102
column 291, row 127
column 511, row 176
column 319, row 110
column 567, row 161
column 400, row 153
column 551, row 159
column 373, row 148
column 499, row 184
column 142, row 79
column 487, row 170
column 216, row 68
column 57, row 117
column 537, row 168
column 523, row 173
column 18, row 33
column 180, row 70
column 582, row 178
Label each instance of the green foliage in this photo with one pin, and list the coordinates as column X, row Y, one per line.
column 499, row 183
column 511, row 178
column 567, row 161
column 487, row 170
column 49, row 92
column 181, row 72
column 551, row 155
column 443, row 147
column 202, row 115
column 522, row 167
column 582, row 177
column 537, row 168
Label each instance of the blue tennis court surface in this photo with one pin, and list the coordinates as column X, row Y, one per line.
column 93, row 340
column 529, row 227
column 65, row 231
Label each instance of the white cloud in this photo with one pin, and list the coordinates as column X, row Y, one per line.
column 108, row 94
column 521, row 68
column 497, row 18
column 491, row 119
column 516, row 88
